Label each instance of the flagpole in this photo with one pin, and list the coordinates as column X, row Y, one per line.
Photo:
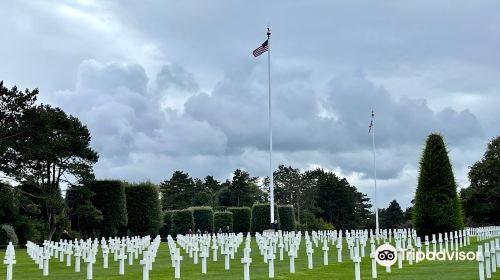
column 375, row 175
column 271, row 186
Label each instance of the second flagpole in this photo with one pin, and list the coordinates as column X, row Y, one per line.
column 271, row 185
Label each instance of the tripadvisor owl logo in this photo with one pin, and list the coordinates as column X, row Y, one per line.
column 385, row 255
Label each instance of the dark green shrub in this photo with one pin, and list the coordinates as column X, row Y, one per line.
column 29, row 229
column 222, row 220
column 7, row 234
column 287, row 218
column 110, row 199
column 8, row 209
column 144, row 209
column 166, row 228
column 182, row 221
column 437, row 208
column 309, row 222
column 242, row 218
column 203, row 218
column 261, row 217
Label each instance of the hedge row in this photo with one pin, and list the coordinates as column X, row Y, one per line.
column 110, row 198
column 182, row 221
column 287, row 218
column 166, row 228
column 223, row 220
column 261, row 217
column 144, row 209
column 203, row 218
column 242, row 218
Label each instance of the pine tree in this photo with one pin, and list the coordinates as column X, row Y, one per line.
column 437, row 207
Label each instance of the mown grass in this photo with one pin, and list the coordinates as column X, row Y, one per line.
column 427, row 270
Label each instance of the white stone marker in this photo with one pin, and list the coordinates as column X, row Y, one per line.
column 204, row 256
column 497, row 250
column 145, row 266
column 105, row 256
column 270, row 260
column 291, row 254
column 46, row 258
column 9, row 260
column 374, row 261
column 493, row 256
column 227, row 255
column 480, row 259
column 325, row 252
column 310, row 252
column 339, row 250
column 122, row 257
column 281, row 246
column 195, row 254
column 487, row 256
column 357, row 261
column 90, row 261
column 214, row 248
column 78, row 254
column 177, row 259
column 246, row 261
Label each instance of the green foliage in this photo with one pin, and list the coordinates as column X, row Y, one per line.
column 203, row 218
column 261, row 217
column 287, row 218
column 437, row 208
column 309, row 222
column 340, row 203
column 178, row 192
column 243, row 188
column 182, row 221
column 29, row 229
column 481, row 200
column 7, row 234
column 166, row 228
column 223, row 220
column 392, row 217
column 242, row 218
column 110, row 199
column 8, row 209
column 143, row 209
column 84, row 216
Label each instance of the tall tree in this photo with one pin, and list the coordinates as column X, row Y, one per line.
column 244, row 189
column 40, row 145
column 481, row 200
column 294, row 187
column 83, row 214
column 178, row 192
column 437, row 208
column 392, row 216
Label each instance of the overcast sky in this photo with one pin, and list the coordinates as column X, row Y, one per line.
column 173, row 85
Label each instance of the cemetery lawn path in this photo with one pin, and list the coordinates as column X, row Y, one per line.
column 26, row 269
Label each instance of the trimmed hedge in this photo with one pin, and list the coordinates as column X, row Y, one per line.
column 110, row 198
column 203, row 218
column 222, row 220
column 182, row 221
column 7, row 234
column 261, row 217
column 144, row 209
column 242, row 218
column 287, row 218
column 166, row 228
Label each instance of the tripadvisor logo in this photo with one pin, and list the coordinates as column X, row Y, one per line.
column 386, row 255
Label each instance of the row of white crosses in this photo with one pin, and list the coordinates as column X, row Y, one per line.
column 489, row 259
column 86, row 250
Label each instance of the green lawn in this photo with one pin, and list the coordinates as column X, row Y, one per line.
column 456, row 270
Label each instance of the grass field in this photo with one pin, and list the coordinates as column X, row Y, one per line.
column 428, row 270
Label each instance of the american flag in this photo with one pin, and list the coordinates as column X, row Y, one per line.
column 261, row 49
column 371, row 123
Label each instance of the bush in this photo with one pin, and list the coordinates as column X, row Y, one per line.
column 437, row 208
column 223, row 220
column 7, row 234
column 242, row 218
column 144, row 209
column 309, row 222
column 287, row 218
column 261, row 217
column 110, row 199
column 8, row 209
column 182, row 221
column 166, row 228
column 29, row 229
column 203, row 218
